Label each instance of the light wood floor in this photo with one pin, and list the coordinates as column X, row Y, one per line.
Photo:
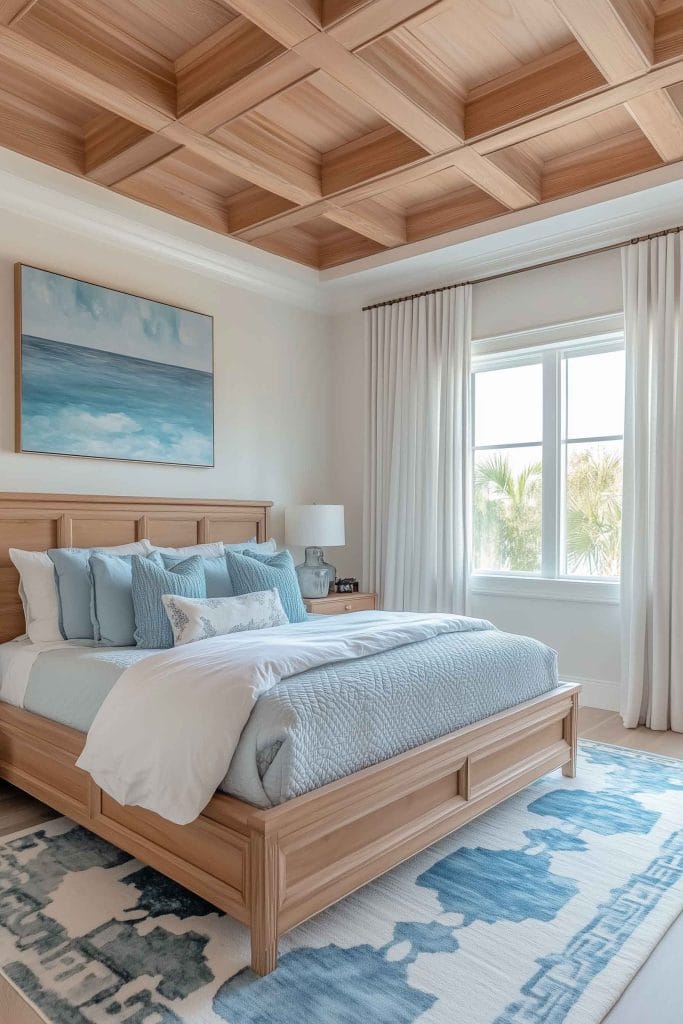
column 17, row 811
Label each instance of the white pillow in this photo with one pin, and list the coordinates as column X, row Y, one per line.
column 203, row 550
column 38, row 588
column 198, row 618
column 38, row 592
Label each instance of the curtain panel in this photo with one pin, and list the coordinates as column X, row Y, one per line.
column 417, row 467
column 652, row 540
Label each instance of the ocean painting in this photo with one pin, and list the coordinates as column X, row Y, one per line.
column 111, row 375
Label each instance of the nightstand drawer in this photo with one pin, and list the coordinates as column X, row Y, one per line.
column 339, row 604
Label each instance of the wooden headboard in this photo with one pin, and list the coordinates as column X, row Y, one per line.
column 36, row 522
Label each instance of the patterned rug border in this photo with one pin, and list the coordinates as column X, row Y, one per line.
column 30, row 1005
column 648, row 755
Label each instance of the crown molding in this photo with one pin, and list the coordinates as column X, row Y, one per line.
column 566, row 227
column 63, row 201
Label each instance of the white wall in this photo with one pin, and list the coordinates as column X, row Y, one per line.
column 585, row 635
column 273, row 380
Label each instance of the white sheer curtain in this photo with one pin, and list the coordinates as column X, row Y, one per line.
column 416, row 514
column 652, row 545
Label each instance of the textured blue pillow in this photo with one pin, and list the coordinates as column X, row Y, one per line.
column 73, row 584
column 152, row 628
column 218, row 582
column 111, row 598
column 252, row 571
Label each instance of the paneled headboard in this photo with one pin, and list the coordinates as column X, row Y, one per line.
column 36, row 522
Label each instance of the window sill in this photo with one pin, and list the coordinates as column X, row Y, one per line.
column 542, row 588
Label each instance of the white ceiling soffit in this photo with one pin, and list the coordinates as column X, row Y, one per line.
column 608, row 214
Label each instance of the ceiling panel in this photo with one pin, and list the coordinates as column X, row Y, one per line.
column 394, row 122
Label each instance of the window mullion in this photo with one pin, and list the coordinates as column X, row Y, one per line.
column 551, row 465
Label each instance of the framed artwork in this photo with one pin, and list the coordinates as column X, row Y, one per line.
column 108, row 375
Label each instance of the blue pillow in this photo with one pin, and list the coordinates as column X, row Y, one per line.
column 111, row 598
column 252, row 571
column 150, row 581
column 218, row 582
column 268, row 547
column 73, row 585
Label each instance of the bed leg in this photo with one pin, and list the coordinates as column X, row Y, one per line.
column 264, row 903
column 571, row 735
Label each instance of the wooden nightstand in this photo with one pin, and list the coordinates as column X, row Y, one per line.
column 339, row 604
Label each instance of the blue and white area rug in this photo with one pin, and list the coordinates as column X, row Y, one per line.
column 540, row 912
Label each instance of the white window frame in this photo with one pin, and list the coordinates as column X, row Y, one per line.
column 547, row 346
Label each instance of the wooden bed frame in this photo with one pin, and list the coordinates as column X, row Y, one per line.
column 270, row 869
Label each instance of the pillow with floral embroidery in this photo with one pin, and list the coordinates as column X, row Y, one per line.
column 199, row 618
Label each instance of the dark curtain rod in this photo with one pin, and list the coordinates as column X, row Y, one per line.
column 524, row 270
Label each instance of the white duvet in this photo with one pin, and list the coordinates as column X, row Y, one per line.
column 165, row 735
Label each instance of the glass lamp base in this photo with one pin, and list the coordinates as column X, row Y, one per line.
column 315, row 575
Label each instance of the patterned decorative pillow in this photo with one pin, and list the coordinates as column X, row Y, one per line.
column 252, row 571
column 150, row 582
column 200, row 618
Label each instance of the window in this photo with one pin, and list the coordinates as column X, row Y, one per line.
column 547, row 462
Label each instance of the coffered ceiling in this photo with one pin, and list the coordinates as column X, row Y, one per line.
column 329, row 130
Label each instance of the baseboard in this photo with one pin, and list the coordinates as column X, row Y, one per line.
column 597, row 693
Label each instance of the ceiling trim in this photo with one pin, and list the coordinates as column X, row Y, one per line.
column 518, row 240
column 52, row 197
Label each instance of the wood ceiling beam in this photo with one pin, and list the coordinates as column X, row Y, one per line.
column 618, row 35
column 580, row 108
column 408, row 112
column 221, row 61
column 63, row 74
column 406, row 66
column 356, row 24
column 372, row 220
column 251, row 163
column 116, row 148
column 12, row 11
column 661, row 121
column 280, row 19
column 403, row 112
column 505, row 177
column 264, row 82
column 339, row 180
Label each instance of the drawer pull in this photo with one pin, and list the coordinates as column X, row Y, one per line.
column 348, row 607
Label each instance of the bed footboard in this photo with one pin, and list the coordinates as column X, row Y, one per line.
column 273, row 869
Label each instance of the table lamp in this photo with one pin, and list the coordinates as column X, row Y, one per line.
column 313, row 527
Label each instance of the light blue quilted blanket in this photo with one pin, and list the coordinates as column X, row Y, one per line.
column 328, row 722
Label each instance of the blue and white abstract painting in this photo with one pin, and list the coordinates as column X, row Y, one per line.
column 112, row 375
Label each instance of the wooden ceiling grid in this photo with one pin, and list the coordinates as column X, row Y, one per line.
column 329, row 130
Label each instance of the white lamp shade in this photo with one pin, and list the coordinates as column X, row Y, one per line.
column 319, row 526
